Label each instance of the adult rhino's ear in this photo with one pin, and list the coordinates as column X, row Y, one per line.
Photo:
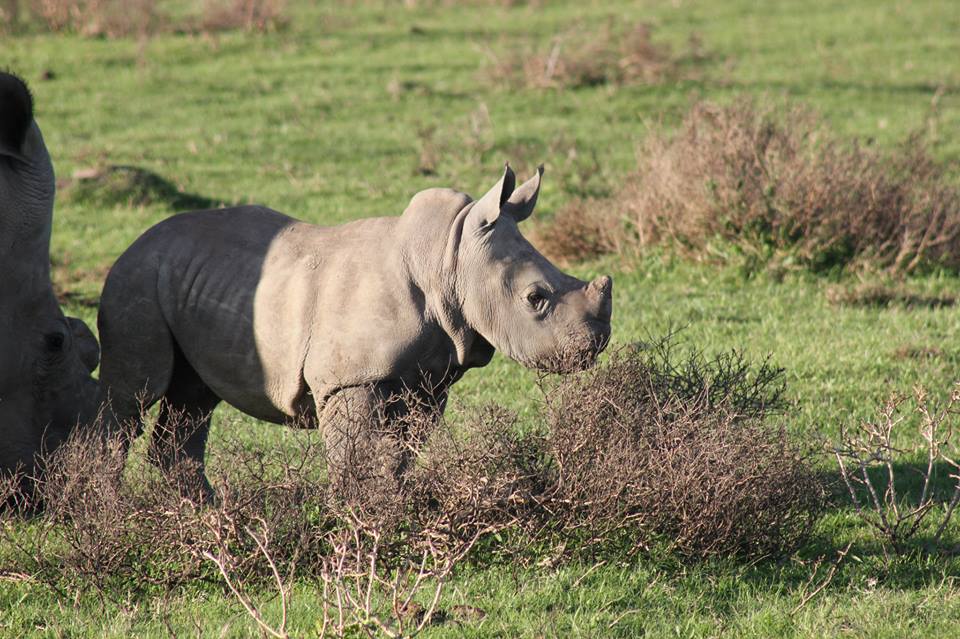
column 520, row 204
column 487, row 209
column 16, row 113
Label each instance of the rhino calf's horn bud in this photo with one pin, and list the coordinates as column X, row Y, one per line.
column 600, row 293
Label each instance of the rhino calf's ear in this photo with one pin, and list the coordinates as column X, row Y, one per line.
column 487, row 209
column 16, row 112
column 520, row 204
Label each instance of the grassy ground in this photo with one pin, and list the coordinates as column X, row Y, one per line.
column 330, row 119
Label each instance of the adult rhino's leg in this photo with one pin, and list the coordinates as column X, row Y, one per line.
column 179, row 439
column 362, row 432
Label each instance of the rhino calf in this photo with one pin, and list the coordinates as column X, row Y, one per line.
column 290, row 321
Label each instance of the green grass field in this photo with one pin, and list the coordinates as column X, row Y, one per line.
column 328, row 120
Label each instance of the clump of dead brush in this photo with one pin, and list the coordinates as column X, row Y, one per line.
column 581, row 58
column 583, row 229
column 247, row 15
column 650, row 446
column 143, row 18
column 871, row 465
column 646, row 450
column 880, row 294
column 390, row 560
column 103, row 532
column 767, row 186
column 94, row 18
column 381, row 546
column 778, row 186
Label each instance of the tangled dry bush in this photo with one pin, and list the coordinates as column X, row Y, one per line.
column 107, row 18
column 113, row 534
column 884, row 294
column 581, row 230
column 646, row 450
column 248, row 15
column 776, row 187
column 377, row 547
column 649, row 447
column 872, row 467
column 390, row 559
column 779, row 185
column 579, row 58
column 142, row 18
column 413, row 4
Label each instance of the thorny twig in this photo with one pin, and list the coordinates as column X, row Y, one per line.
column 807, row 596
column 872, row 445
column 221, row 561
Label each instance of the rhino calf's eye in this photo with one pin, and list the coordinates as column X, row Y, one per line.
column 536, row 300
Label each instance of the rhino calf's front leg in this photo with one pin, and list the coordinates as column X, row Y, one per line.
column 365, row 437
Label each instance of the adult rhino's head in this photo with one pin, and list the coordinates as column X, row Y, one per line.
column 46, row 358
column 515, row 298
column 27, row 182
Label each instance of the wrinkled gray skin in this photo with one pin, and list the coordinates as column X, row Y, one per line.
column 45, row 357
column 289, row 321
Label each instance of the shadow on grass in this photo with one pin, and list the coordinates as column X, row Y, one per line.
column 908, row 483
column 884, row 296
column 123, row 185
column 74, row 298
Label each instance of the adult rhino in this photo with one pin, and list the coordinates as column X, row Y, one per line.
column 286, row 320
column 45, row 357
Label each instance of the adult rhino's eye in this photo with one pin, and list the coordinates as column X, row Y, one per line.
column 54, row 341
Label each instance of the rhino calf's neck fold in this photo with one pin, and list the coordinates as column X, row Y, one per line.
column 290, row 321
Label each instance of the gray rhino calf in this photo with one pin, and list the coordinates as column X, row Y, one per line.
column 289, row 321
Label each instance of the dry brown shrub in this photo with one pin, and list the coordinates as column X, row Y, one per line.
column 648, row 447
column 107, row 18
column 375, row 545
column 116, row 534
column 777, row 185
column 390, row 559
column 647, row 451
column 872, row 466
column 581, row 230
column 9, row 15
column 249, row 15
column 413, row 4
column 482, row 477
column 142, row 18
column 579, row 58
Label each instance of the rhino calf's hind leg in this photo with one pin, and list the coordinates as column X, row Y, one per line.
column 179, row 438
column 138, row 355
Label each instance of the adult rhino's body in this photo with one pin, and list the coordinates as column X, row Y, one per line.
column 45, row 357
column 288, row 321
